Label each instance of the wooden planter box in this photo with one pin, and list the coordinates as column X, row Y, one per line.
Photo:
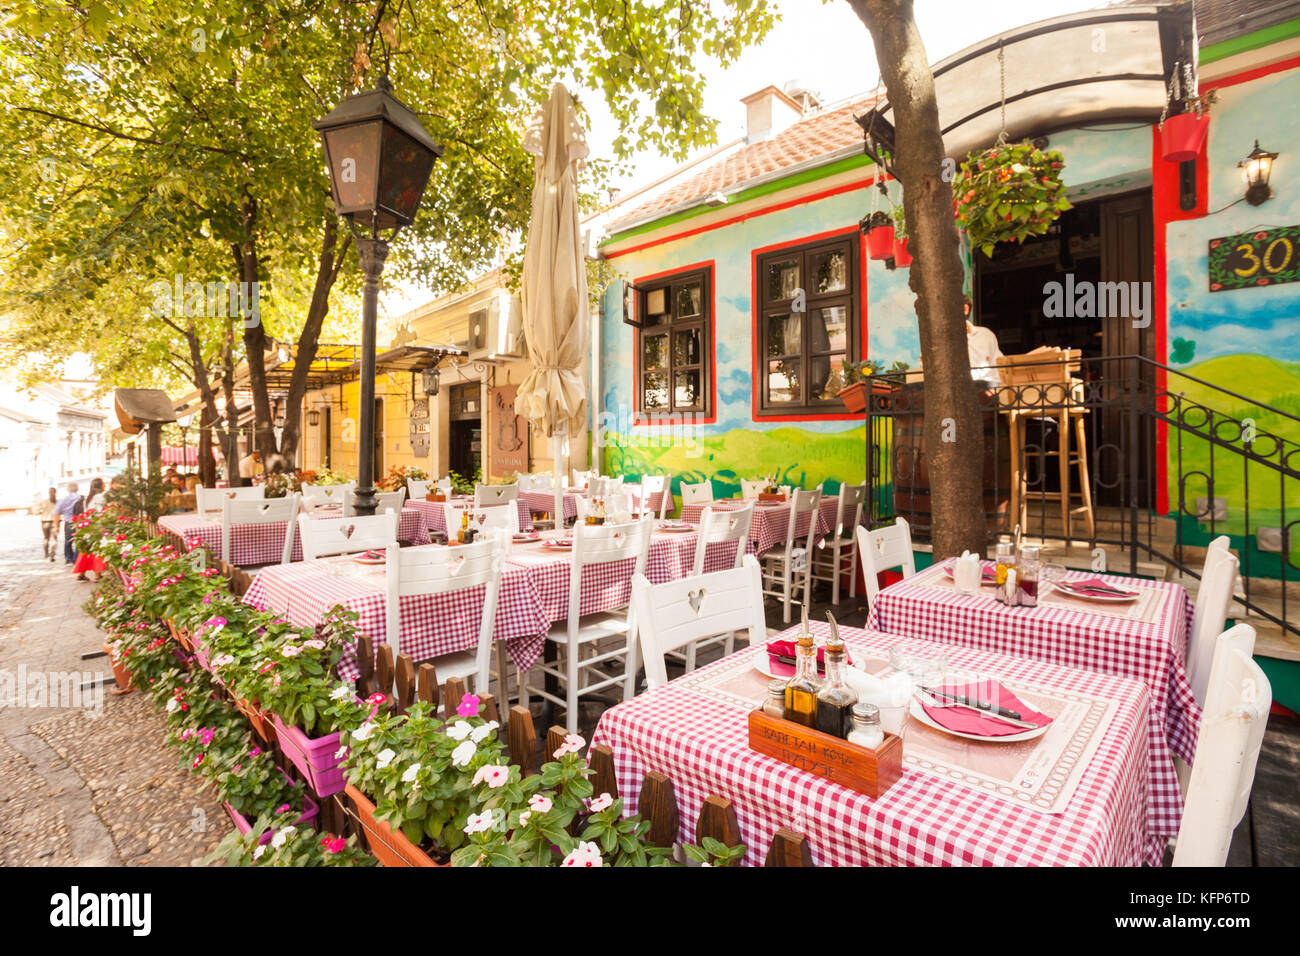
column 391, row 847
column 256, row 719
column 180, row 635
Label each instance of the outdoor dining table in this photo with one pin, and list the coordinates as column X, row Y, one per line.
column 543, row 502
column 1077, row 795
column 534, row 593
column 1145, row 639
column 263, row 542
column 771, row 520
column 435, row 517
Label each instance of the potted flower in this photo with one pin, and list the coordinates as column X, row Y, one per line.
column 278, row 840
column 1008, row 193
column 902, row 258
column 878, row 227
column 399, row 474
column 854, row 393
column 1181, row 136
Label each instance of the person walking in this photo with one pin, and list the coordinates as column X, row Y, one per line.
column 68, row 507
column 88, row 563
column 43, row 508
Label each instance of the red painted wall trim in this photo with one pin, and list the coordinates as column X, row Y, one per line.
column 638, row 416
column 756, row 359
column 1247, row 75
column 741, row 217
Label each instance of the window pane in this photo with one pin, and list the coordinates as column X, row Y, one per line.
column 828, row 271
column 689, row 300
column 782, row 280
column 656, row 391
column 686, row 392
column 654, row 351
column 826, row 376
column 783, row 335
column 656, row 306
column 686, row 347
column 828, row 329
column 783, row 381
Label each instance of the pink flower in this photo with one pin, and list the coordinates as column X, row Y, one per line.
column 282, row 808
column 495, row 775
column 335, row 845
column 255, row 752
column 572, row 745
column 314, row 644
column 603, row 802
column 539, row 804
column 468, row 706
column 206, row 735
column 197, row 760
column 586, row 854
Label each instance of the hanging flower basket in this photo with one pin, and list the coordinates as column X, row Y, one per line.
column 390, row 846
column 878, row 227
column 1009, row 193
column 1182, row 136
column 902, row 258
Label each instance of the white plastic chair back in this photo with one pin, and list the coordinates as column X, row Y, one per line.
column 605, row 486
column 542, row 482
column 434, row 569
column 882, row 549
column 316, row 495
column 1227, row 751
column 495, row 494
column 254, row 511
column 700, row 493
column 417, row 489
column 750, row 490
column 1213, row 598
column 496, row 518
column 652, row 485
column 582, row 478
column 347, row 535
column 443, row 485
column 848, row 510
column 723, row 527
column 678, row 613
column 384, row 501
column 209, row 499
column 604, row 544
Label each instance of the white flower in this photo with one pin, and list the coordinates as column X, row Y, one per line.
column 572, row 744
column 222, row 660
column 603, row 802
column 478, row 733
column 539, row 804
column 385, row 757
column 289, row 650
column 257, row 854
column 523, row 817
column 172, row 704
column 340, row 753
column 364, row 731
column 495, row 775
column 479, row 823
column 462, row 755
column 314, row 644
column 706, row 863
column 460, row 730
column 342, row 692
column 586, row 854
column 281, row 836
column 411, row 772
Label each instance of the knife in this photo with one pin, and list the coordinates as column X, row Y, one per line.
column 1098, row 588
column 988, row 713
column 974, row 703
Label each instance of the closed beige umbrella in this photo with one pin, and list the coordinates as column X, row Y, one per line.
column 553, row 395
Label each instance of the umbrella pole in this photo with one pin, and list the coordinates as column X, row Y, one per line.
column 557, row 453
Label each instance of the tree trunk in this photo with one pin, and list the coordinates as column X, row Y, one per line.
column 247, row 267
column 954, row 438
column 232, row 410
column 209, row 416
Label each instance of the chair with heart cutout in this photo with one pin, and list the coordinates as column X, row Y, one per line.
column 691, row 610
column 883, row 549
column 718, row 530
column 235, row 513
column 384, row 501
column 209, row 499
column 321, row 496
column 495, row 494
column 787, row 567
column 598, row 550
column 331, row 536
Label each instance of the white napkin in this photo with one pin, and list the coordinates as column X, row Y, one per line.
column 966, row 573
column 894, row 690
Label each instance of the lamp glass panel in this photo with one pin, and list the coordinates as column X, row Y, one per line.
column 353, row 153
column 406, row 168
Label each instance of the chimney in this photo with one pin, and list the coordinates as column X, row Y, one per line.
column 768, row 112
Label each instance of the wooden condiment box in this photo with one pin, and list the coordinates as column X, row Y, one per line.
column 867, row 771
column 435, row 497
column 770, row 496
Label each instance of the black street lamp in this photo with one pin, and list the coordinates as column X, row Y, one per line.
column 379, row 159
column 1255, row 170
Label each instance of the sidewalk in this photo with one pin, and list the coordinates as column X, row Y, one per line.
column 88, row 781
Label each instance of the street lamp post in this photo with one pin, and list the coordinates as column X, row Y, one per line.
column 379, row 159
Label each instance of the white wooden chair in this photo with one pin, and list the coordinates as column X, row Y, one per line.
column 495, row 494
column 1213, row 598
column 314, row 496
column 602, row 487
column 691, row 611
column 592, row 547
column 652, row 485
column 582, row 478
column 327, row 536
column 882, row 549
column 750, row 490
column 497, row 518
column 209, row 499
column 700, row 493
column 836, row 553
column 433, row 569
column 787, row 570
column 443, row 485
column 416, row 489
column 1227, row 751
column 236, row 512
column 384, row 501
column 719, row 527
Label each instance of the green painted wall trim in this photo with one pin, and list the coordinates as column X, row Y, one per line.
column 1285, row 678
column 754, row 192
column 1251, row 41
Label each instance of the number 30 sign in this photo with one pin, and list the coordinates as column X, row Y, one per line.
column 1268, row 257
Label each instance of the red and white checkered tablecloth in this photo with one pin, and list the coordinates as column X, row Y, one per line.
column 770, row 523
column 539, row 502
column 432, row 625
column 701, row 744
column 436, row 518
column 263, row 542
column 1153, row 652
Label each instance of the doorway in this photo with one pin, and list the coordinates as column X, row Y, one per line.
column 379, row 439
column 327, row 436
column 465, row 435
column 1107, row 240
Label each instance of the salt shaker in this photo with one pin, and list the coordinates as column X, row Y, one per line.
column 866, row 730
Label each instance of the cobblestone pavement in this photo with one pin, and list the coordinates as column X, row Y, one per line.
column 87, row 781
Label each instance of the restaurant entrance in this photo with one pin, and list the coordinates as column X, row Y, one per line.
column 1086, row 285
column 465, row 434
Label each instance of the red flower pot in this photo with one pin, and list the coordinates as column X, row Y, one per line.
column 120, row 674
column 880, row 242
column 1182, row 136
column 902, row 258
column 391, row 847
column 854, row 397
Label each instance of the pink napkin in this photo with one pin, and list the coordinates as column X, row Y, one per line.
column 1104, row 587
column 788, row 649
column 966, row 721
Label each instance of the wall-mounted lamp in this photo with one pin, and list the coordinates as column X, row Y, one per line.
column 1255, row 170
column 313, row 418
column 429, row 379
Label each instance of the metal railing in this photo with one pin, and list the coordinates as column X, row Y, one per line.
column 1171, row 461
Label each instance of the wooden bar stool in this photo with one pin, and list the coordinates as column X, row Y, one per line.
column 1038, row 385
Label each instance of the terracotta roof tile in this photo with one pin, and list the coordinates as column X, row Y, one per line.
column 818, row 134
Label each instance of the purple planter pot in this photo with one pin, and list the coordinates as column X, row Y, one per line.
column 314, row 758
column 245, row 826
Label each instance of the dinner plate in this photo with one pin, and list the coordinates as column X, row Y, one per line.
column 769, row 504
column 525, row 536
column 1064, row 588
column 367, row 559
column 763, row 666
column 676, row 527
column 558, row 545
column 919, row 713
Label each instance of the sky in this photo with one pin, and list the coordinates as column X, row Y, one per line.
column 822, row 45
